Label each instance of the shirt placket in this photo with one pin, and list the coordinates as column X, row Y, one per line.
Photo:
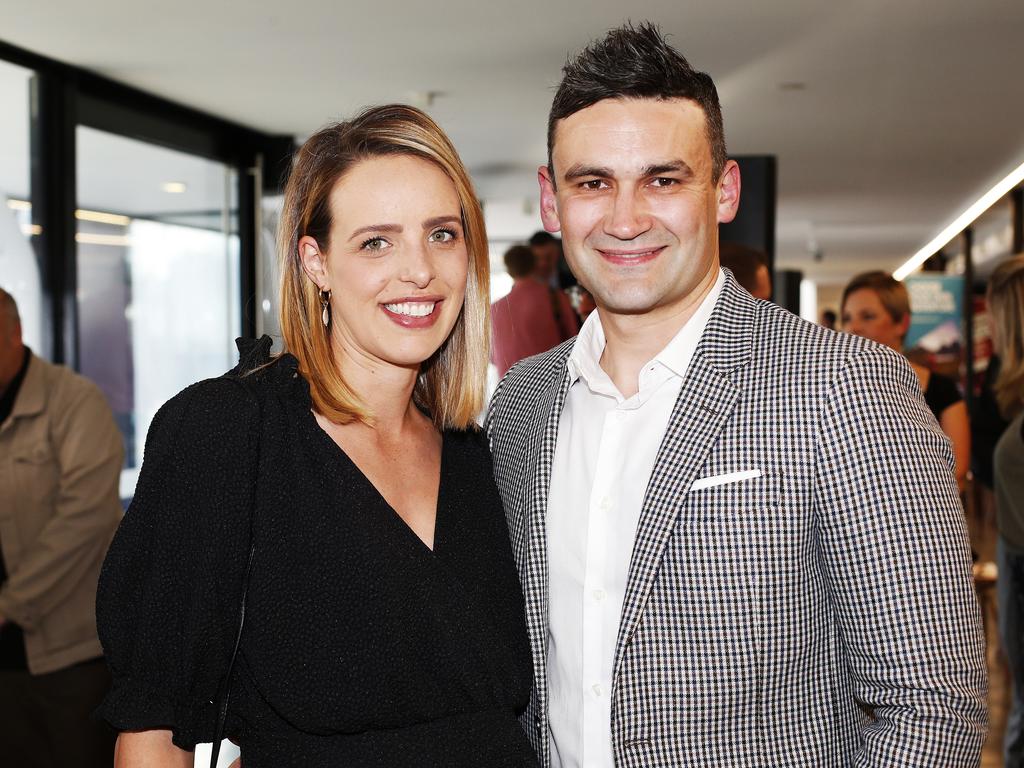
column 603, row 502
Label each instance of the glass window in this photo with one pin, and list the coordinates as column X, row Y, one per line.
column 19, row 269
column 158, row 276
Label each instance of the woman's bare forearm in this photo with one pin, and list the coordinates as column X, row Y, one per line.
column 149, row 749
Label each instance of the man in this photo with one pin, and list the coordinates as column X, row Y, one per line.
column 547, row 254
column 750, row 268
column 523, row 322
column 738, row 534
column 60, row 459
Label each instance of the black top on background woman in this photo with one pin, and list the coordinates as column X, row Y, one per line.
column 384, row 621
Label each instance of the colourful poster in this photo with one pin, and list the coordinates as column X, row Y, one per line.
column 936, row 335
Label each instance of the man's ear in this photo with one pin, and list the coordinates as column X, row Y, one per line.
column 729, row 192
column 548, row 209
column 314, row 263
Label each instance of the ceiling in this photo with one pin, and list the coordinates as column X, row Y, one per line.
column 909, row 110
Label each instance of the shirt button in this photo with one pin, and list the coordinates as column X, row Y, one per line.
column 596, row 689
column 606, row 504
column 599, row 595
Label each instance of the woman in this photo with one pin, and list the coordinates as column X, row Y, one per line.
column 1006, row 304
column 877, row 307
column 384, row 622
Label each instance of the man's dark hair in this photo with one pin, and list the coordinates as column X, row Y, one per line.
column 519, row 261
column 541, row 238
column 636, row 62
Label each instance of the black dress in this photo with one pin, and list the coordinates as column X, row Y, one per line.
column 362, row 647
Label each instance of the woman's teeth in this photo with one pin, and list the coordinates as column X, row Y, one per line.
column 412, row 308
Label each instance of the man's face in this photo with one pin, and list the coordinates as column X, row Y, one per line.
column 11, row 350
column 763, row 284
column 546, row 255
column 634, row 199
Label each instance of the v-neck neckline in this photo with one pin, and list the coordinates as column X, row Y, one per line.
column 390, row 511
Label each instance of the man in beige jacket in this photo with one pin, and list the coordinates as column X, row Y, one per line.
column 60, row 458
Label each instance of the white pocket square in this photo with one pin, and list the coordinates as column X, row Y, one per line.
column 728, row 477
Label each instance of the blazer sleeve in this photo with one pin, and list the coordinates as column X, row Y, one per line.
column 168, row 599
column 895, row 546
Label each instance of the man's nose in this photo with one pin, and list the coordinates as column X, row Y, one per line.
column 628, row 217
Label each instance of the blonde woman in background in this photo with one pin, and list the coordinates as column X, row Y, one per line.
column 1006, row 305
column 877, row 306
column 384, row 621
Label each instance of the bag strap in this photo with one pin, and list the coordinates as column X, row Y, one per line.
column 224, row 695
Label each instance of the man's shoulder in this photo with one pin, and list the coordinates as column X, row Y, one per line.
column 534, row 374
column 62, row 384
column 786, row 340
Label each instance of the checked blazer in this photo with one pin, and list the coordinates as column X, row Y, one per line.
column 821, row 614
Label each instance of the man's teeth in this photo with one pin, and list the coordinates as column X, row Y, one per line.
column 412, row 308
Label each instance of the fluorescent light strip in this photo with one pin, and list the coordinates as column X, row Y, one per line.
column 82, row 214
column 87, row 238
column 1015, row 177
column 102, row 218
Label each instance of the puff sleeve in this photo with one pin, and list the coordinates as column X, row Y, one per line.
column 169, row 592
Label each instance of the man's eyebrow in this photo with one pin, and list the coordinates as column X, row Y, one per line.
column 580, row 171
column 390, row 229
column 674, row 166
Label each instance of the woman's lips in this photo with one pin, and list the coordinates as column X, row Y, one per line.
column 633, row 257
column 413, row 313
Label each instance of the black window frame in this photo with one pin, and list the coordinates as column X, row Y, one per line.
column 63, row 97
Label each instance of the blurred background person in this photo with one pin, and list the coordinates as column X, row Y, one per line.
column 877, row 306
column 750, row 268
column 1006, row 304
column 524, row 321
column 828, row 319
column 551, row 270
column 60, row 461
column 582, row 301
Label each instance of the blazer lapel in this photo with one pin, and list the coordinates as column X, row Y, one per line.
column 706, row 401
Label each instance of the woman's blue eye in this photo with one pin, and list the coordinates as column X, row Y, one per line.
column 442, row 236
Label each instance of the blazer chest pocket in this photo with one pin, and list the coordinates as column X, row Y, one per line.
column 734, row 498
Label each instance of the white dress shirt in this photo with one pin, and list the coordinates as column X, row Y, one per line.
column 606, row 449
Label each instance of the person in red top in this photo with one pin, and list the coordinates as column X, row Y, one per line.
column 532, row 318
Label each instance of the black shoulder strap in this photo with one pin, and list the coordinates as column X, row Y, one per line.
column 224, row 695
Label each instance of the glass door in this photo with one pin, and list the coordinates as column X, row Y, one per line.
column 158, row 285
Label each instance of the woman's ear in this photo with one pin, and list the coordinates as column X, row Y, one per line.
column 314, row 263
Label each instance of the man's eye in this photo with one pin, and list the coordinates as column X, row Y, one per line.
column 663, row 181
column 592, row 184
column 442, row 236
column 374, row 244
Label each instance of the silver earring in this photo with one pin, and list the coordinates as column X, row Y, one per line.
column 325, row 302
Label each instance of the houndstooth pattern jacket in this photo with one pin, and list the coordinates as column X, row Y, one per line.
column 822, row 614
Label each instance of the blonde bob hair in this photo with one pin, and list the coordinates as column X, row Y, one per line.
column 1006, row 304
column 450, row 386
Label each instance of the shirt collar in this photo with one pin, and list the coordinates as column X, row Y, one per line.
column 585, row 360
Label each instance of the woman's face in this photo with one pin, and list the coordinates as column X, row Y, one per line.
column 865, row 315
column 397, row 261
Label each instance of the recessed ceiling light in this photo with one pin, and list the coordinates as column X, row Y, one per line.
column 174, row 187
column 793, row 85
